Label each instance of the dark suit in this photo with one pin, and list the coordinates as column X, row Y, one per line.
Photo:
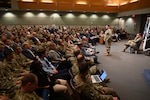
column 35, row 39
column 28, row 54
column 2, row 55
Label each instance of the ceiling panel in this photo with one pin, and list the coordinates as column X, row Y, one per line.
column 97, row 2
column 64, row 1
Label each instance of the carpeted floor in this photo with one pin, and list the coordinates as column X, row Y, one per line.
column 125, row 71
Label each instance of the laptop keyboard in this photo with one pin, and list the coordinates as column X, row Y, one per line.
column 96, row 78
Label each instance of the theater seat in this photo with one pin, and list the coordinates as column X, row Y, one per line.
column 79, row 96
column 135, row 49
column 70, row 72
column 74, row 90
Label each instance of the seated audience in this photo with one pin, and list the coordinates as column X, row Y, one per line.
column 61, row 47
column 28, row 86
column 10, row 74
column 8, row 82
column 57, row 58
column 84, row 86
column 8, row 45
column 22, row 60
column 50, row 69
column 80, row 58
column 26, row 51
column 88, row 52
column 12, row 65
column 46, row 84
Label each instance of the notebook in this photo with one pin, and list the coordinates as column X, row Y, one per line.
column 99, row 78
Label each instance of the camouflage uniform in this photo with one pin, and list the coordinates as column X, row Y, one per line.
column 69, row 53
column 44, row 45
column 13, row 64
column 26, row 96
column 61, row 49
column 108, row 39
column 8, row 84
column 72, row 60
column 92, row 91
column 75, row 69
column 13, row 68
column 22, row 61
column 23, row 39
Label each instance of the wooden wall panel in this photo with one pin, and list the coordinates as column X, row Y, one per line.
column 111, row 9
column 66, row 6
column 111, row 2
column 81, row 7
column 97, row 2
column 123, row 8
column 144, row 3
column 97, row 8
column 47, row 6
column 92, row 5
column 64, row 1
column 134, row 6
column 27, row 5
column 130, row 6
column 123, row 1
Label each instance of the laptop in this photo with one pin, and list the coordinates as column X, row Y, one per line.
column 99, row 78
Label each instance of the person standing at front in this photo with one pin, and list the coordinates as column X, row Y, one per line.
column 107, row 39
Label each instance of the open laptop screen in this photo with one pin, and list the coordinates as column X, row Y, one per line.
column 103, row 75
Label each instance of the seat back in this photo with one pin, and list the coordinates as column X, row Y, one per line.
column 138, row 44
column 77, row 95
column 136, row 47
column 43, row 93
column 70, row 72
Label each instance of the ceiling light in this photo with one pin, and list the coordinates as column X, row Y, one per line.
column 81, row 3
column 124, row 3
column 112, row 5
column 47, row 1
column 133, row 1
column 27, row 0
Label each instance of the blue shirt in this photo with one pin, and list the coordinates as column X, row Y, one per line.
column 47, row 66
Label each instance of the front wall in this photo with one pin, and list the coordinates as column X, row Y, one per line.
column 58, row 18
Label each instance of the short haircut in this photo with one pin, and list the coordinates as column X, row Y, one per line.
column 7, row 52
column 24, row 44
column 83, row 67
column 40, row 52
column 32, row 78
column 15, row 47
column 35, row 66
column 76, row 52
column 80, row 58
